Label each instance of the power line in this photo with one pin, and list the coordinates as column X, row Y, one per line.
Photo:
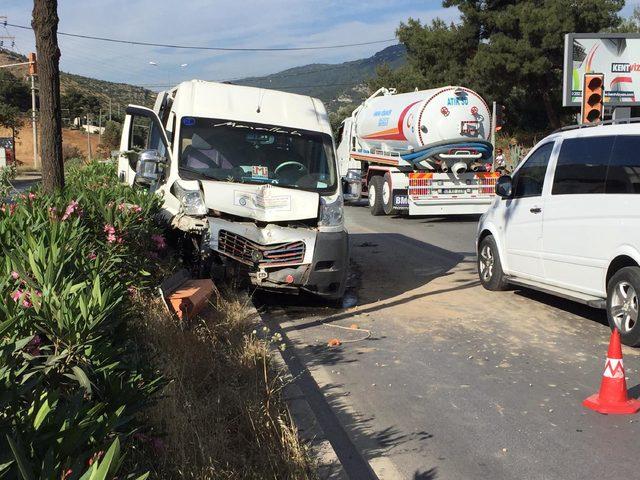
column 163, row 85
column 222, row 49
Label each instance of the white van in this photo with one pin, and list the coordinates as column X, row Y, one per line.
column 568, row 222
column 249, row 176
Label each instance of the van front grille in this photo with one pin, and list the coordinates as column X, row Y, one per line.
column 252, row 253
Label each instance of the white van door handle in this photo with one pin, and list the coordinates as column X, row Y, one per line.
column 535, row 209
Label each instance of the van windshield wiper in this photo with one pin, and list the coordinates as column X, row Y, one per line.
column 198, row 173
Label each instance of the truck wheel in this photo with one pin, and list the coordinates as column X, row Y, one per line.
column 375, row 196
column 387, row 195
column 489, row 266
column 622, row 304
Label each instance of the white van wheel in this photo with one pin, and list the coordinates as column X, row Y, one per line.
column 622, row 304
column 489, row 266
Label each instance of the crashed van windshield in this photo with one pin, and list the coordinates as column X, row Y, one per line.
column 256, row 153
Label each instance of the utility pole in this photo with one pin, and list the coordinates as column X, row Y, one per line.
column 33, row 71
column 493, row 125
column 88, row 138
column 45, row 27
column 109, row 108
column 7, row 37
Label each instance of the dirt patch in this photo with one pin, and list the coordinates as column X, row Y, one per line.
column 24, row 143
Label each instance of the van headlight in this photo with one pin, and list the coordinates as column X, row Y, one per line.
column 331, row 211
column 191, row 200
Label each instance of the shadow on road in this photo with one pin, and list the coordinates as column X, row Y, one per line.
column 569, row 306
column 430, row 474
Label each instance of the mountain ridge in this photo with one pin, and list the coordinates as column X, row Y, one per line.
column 334, row 84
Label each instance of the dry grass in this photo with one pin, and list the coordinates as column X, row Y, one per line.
column 222, row 415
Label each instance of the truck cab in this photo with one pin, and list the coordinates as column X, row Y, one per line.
column 250, row 177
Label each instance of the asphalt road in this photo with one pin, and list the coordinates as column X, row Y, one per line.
column 455, row 382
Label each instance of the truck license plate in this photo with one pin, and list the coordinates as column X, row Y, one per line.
column 400, row 200
column 452, row 191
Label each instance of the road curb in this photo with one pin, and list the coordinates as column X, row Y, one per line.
column 305, row 420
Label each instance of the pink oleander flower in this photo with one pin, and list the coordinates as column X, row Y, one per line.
column 95, row 457
column 137, row 208
column 92, row 255
column 71, row 208
column 122, row 207
column 119, row 240
column 3, row 208
column 15, row 296
column 160, row 242
column 38, row 293
column 111, row 238
column 108, row 228
column 15, row 275
column 32, row 196
column 12, row 208
column 26, row 303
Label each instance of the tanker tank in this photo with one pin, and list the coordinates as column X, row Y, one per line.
column 445, row 129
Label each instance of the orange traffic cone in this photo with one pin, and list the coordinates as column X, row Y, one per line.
column 612, row 397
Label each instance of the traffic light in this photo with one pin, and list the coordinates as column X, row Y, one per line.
column 592, row 98
column 500, row 116
column 33, row 66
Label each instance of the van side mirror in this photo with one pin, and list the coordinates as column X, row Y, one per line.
column 150, row 167
column 504, row 186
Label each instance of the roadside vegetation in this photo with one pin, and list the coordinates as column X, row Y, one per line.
column 97, row 380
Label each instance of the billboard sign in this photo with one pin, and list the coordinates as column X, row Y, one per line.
column 616, row 55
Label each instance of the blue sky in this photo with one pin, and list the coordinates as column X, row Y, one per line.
column 240, row 23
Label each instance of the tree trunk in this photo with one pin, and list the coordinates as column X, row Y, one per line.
column 45, row 27
column 552, row 116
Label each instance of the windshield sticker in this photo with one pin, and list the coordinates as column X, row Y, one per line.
column 272, row 129
column 258, row 171
column 188, row 121
column 263, row 199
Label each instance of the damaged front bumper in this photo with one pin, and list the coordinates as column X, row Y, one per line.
column 284, row 258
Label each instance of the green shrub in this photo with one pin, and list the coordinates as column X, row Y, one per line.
column 71, row 377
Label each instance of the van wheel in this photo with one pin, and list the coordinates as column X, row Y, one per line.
column 375, row 196
column 622, row 304
column 387, row 195
column 489, row 266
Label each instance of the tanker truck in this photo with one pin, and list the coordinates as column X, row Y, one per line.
column 425, row 152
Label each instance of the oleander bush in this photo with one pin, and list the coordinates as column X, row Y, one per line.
column 72, row 377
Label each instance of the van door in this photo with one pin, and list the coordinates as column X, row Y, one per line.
column 523, row 213
column 579, row 223
column 142, row 130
